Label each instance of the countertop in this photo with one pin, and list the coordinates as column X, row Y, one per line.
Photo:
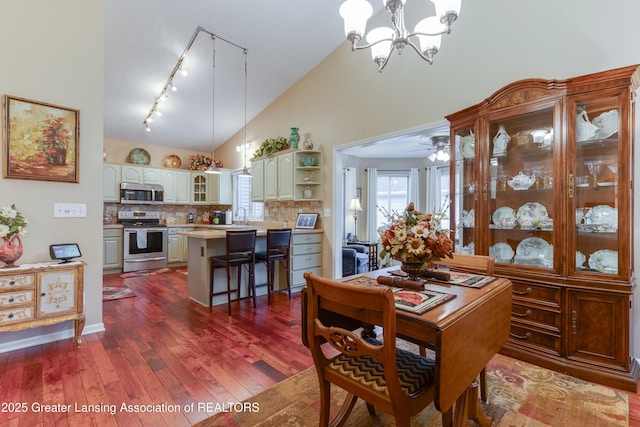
column 220, row 231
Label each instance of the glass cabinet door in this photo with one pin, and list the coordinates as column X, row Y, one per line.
column 594, row 191
column 520, row 188
column 465, row 194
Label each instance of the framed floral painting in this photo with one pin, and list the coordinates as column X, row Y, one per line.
column 39, row 141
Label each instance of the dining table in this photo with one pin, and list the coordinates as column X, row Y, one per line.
column 464, row 331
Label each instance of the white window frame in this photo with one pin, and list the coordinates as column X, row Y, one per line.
column 254, row 210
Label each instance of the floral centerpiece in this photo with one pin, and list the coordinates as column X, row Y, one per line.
column 201, row 162
column 415, row 239
column 12, row 226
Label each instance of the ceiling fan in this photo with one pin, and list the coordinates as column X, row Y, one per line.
column 439, row 148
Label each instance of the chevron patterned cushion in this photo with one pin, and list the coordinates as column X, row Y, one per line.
column 414, row 371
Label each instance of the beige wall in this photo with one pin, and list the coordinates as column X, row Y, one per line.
column 53, row 52
column 345, row 99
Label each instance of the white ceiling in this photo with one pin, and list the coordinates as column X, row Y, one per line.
column 145, row 38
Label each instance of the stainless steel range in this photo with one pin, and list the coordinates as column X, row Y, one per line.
column 145, row 240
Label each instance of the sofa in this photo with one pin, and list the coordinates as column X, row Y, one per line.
column 355, row 260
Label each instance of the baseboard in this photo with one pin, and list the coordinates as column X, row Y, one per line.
column 47, row 338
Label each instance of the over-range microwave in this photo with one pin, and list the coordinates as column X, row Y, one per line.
column 141, row 194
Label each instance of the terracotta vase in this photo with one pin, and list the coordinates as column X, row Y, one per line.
column 10, row 250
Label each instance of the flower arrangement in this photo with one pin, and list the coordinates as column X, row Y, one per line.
column 271, row 145
column 12, row 222
column 201, row 162
column 414, row 237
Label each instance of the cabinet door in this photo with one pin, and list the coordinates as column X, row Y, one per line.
column 199, row 188
column 175, row 251
column 57, row 292
column 169, row 184
column 111, row 182
column 183, row 187
column 598, row 327
column 112, row 251
column 522, row 204
column 599, row 193
column 271, row 178
column 257, row 183
column 285, row 176
column 464, row 179
column 152, row 176
column 220, row 188
column 133, row 174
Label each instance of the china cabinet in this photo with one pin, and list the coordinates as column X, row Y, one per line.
column 541, row 177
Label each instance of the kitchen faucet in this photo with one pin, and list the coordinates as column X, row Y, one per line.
column 244, row 210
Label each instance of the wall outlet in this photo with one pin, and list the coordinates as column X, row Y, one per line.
column 327, row 212
column 69, row 210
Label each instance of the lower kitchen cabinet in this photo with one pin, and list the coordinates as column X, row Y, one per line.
column 306, row 255
column 112, row 244
column 41, row 295
column 177, row 245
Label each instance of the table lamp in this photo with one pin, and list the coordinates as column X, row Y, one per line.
column 355, row 207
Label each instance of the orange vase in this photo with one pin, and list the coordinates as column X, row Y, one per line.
column 10, row 250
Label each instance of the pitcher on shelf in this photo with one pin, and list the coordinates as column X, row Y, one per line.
column 500, row 142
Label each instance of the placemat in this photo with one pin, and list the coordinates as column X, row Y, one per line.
column 457, row 278
column 417, row 302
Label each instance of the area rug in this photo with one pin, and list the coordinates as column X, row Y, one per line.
column 520, row 394
column 113, row 293
column 144, row 272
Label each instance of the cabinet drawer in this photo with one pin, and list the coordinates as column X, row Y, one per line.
column 297, row 239
column 297, row 277
column 19, row 281
column 301, row 262
column 530, row 337
column 532, row 315
column 539, row 294
column 16, row 315
column 313, row 248
column 10, row 299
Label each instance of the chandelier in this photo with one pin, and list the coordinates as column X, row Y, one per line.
column 384, row 40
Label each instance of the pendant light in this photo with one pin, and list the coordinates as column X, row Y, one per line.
column 245, row 172
column 213, row 169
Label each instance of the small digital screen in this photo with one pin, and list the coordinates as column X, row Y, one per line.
column 64, row 251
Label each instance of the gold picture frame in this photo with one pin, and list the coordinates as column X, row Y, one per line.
column 40, row 141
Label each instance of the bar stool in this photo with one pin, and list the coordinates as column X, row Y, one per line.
column 278, row 249
column 241, row 250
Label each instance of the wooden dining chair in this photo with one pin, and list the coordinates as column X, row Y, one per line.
column 475, row 264
column 241, row 251
column 396, row 381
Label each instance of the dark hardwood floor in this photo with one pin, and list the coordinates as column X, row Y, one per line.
column 159, row 351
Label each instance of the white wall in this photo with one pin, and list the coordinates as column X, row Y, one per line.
column 493, row 43
column 53, row 52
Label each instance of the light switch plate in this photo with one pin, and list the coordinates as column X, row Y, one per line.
column 69, row 210
column 327, row 212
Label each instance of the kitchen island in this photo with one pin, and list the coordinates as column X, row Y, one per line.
column 204, row 243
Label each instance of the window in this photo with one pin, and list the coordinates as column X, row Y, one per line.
column 392, row 193
column 242, row 200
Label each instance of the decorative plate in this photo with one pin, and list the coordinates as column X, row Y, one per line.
column 534, row 251
column 172, row 161
column 580, row 259
column 532, row 215
column 603, row 215
column 467, row 146
column 502, row 252
column 607, row 124
column 468, row 218
column 504, row 217
column 605, row 261
column 139, row 156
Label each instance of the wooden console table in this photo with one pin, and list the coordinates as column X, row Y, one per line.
column 33, row 295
